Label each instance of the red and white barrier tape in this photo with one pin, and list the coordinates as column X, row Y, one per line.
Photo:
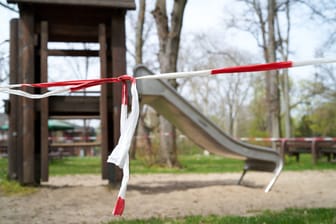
column 128, row 121
column 75, row 85
column 306, row 139
column 119, row 155
column 243, row 68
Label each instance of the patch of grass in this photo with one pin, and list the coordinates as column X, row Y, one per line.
column 217, row 164
column 8, row 187
column 191, row 164
column 288, row 216
column 196, row 163
column 210, row 164
column 3, row 167
column 306, row 163
column 75, row 165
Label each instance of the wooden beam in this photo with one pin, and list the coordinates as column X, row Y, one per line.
column 72, row 33
column 44, row 112
column 73, row 53
column 74, row 117
column 126, row 4
column 73, row 106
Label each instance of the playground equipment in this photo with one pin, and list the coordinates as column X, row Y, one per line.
column 66, row 21
column 166, row 101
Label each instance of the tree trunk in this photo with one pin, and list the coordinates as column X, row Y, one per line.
column 287, row 115
column 141, row 130
column 168, row 150
column 283, row 42
column 139, row 32
column 272, row 83
column 169, row 41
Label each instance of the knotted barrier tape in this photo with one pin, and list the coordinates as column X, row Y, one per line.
column 128, row 121
column 119, row 155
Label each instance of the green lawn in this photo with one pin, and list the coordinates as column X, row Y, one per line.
column 75, row 165
column 192, row 164
column 11, row 187
column 218, row 164
column 288, row 216
column 189, row 164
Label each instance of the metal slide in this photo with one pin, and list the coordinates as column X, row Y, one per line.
column 167, row 102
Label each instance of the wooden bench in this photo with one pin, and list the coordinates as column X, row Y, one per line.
column 327, row 149
column 315, row 146
column 60, row 150
column 3, row 151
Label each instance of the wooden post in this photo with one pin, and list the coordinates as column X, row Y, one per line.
column 13, row 135
column 103, row 101
column 283, row 149
column 27, row 59
column 115, row 69
column 44, row 102
column 108, row 110
column 314, row 151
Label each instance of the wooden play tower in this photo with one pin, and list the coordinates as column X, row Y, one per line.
column 45, row 21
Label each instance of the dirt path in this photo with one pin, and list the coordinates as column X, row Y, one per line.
column 87, row 199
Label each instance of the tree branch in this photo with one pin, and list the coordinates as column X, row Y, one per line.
column 8, row 7
column 161, row 20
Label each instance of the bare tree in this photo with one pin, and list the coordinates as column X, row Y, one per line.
column 226, row 95
column 4, row 44
column 269, row 23
column 140, row 130
column 320, row 88
column 139, row 32
column 141, row 47
column 272, row 80
column 4, row 68
column 169, row 41
column 143, row 129
column 7, row 6
column 283, row 49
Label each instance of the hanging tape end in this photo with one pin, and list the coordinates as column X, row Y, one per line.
column 119, row 207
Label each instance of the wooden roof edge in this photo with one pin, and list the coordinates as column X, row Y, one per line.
column 125, row 4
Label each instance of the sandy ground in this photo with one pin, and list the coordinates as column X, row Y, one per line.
column 88, row 199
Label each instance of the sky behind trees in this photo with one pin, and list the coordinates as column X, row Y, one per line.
column 210, row 17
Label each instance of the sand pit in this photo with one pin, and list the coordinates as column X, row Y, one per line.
column 88, row 199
